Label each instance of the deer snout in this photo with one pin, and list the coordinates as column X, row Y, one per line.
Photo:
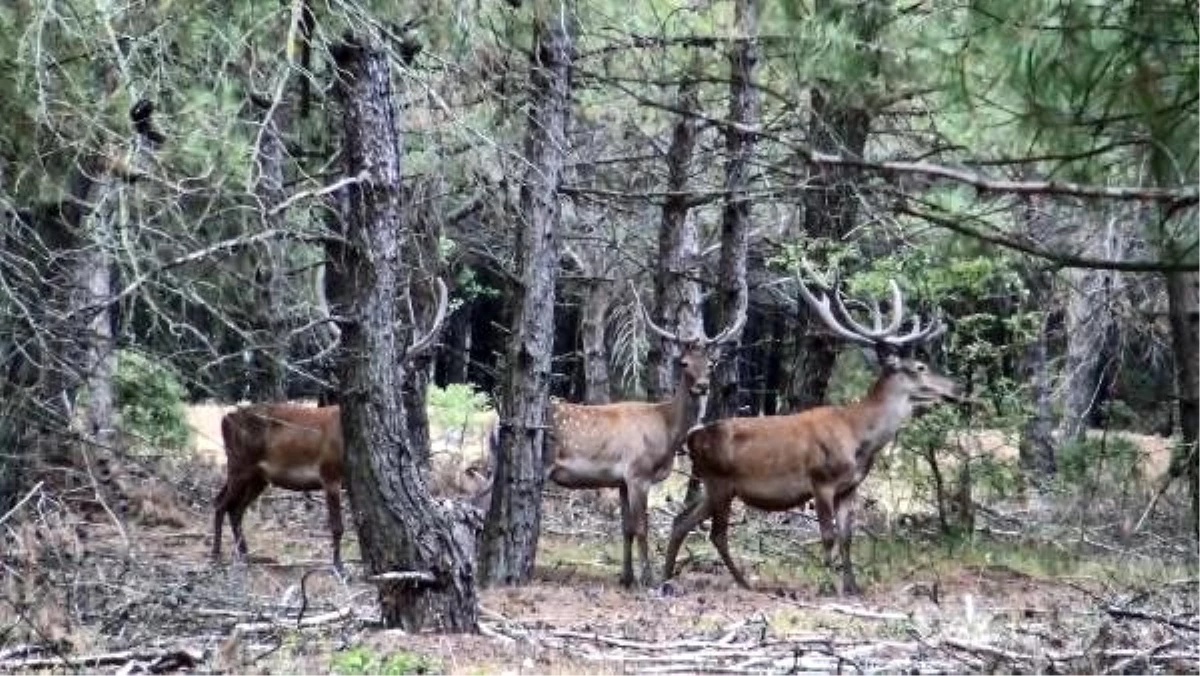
column 700, row 388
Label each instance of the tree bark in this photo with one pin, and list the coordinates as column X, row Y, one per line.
column 830, row 205
column 509, row 542
column 426, row 234
column 1037, row 435
column 400, row 527
column 272, row 354
column 596, row 300
column 676, row 291
column 1090, row 332
column 724, row 400
column 1183, row 308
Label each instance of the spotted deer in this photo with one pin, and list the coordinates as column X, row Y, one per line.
column 632, row 445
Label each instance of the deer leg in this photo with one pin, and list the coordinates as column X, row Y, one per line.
column 693, row 515
column 845, row 519
column 333, row 504
column 638, row 507
column 627, row 530
column 245, row 492
column 221, row 506
column 720, row 539
column 824, row 501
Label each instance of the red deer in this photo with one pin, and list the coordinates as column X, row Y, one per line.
column 776, row 463
column 294, row 447
column 632, row 445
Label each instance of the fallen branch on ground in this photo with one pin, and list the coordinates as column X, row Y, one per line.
column 154, row 660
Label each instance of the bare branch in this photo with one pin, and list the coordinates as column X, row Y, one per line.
column 1060, row 259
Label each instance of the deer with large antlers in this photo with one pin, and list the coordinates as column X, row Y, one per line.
column 294, row 447
column 776, row 463
column 632, row 445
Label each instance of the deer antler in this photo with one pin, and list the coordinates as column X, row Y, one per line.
column 663, row 333
column 739, row 318
column 423, row 343
column 879, row 336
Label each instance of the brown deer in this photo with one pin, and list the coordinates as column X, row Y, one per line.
column 776, row 463
column 299, row 448
column 632, row 445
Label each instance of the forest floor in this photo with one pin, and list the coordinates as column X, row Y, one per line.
column 1016, row 595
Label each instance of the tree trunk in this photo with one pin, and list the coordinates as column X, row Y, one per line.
column 596, row 300
column 1183, row 308
column 724, row 399
column 400, row 528
column 509, row 542
column 271, row 348
column 1037, row 446
column 1037, row 435
column 1090, row 330
column 97, row 352
column 830, row 204
column 426, row 234
column 676, row 291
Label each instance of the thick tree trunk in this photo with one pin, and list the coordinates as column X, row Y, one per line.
column 400, row 527
column 509, row 542
column 676, row 289
column 596, row 300
column 1183, row 308
column 724, row 399
column 830, row 202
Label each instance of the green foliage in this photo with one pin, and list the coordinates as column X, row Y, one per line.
column 364, row 660
column 1106, row 460
column 150, row 399
column 455, row 404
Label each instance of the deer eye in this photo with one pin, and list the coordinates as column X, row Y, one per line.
column 921, row 368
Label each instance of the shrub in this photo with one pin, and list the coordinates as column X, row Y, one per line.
column 1111, row 460
column 150, row 400
column 454, row 405
column 364, row 660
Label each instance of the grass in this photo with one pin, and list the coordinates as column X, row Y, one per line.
column 901, row 558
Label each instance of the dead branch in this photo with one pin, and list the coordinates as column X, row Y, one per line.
column 281, row 623
column 153, row 660
column 1152, row 617
column 32, row 492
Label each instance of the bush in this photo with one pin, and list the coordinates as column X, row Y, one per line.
column 455, row 405
column 1092, row 462
column 150, row 401
column 364, row 660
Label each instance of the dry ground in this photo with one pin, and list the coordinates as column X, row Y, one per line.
column 1031, row 601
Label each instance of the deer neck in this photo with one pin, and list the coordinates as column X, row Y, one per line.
column 879, row 416
column 682, row 411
